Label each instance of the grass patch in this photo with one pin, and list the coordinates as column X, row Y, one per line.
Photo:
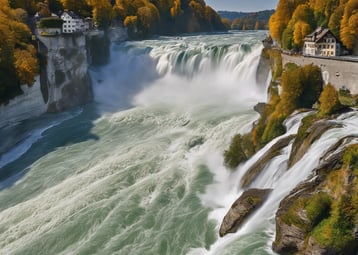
column 317, row 208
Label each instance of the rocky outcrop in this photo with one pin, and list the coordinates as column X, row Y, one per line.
column 63, row 82
column 260, row 164
column 322, row 204
column 260, row 108
column 242, row 208
column 263, row 70
column 312, row 134
column 68, row 81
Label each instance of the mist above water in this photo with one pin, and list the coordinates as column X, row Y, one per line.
column 184, row 71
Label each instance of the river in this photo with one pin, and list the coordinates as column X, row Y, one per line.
column 140, row 170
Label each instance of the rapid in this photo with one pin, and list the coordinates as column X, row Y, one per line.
column 140, row 170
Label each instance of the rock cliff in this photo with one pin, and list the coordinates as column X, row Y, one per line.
column 320, row 215
column 242, row 208
column 63, row 82
column 68, row 82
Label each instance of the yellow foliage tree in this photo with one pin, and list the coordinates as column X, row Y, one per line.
column 18, row 62
column 130, row 21
column 329, row 101
column 279, row 20
column 175, row 10
column 301, row 29
column 26, row 65
column 349, row 24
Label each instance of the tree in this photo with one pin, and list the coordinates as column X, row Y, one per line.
column 18, row 62
column 329, row 101
column 287, row 38
column 301, row 29
column 349, row 24
column 26, row 65
column 227, row 23
column 279, row 20
column 334, row 23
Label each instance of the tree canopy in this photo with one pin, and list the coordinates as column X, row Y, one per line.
column 294, row 19
column 18, row 61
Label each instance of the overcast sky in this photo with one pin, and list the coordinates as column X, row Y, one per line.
column 242, row 5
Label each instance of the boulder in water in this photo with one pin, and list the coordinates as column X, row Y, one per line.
column 243, row 207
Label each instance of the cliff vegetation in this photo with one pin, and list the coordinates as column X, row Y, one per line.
column 320, row 215
column 301, row 87
column 294, row 19
column 18, row 60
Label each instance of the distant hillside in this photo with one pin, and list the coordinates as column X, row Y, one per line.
column 246, row 20
column 261, row 15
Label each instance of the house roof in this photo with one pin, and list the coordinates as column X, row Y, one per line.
column 72, row 14
column 318, row 34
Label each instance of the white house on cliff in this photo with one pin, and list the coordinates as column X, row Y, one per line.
column 322, row 42
column 72, row 23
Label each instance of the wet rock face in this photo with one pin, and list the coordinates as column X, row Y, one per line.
column 257, row 168
column 242, row 208
column 313, row 203
column 68, row 81
column 301, row 146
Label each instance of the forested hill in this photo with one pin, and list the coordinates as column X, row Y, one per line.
column 246, row 20
column 261, row 15
column 294, row 19
column 142, row 17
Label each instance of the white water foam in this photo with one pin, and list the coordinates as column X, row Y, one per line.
column 226, row 189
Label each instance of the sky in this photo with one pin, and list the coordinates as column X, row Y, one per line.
column 242, row 5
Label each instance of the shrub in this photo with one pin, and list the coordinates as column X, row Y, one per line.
column 337, row 231
column 235, row 154
column 318, row 208
column 274, row 128
column 350, row 157
column 329, row 101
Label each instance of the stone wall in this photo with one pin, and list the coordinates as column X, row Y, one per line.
column 340, row 73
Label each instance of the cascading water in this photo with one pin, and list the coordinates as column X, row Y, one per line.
column 140, row 171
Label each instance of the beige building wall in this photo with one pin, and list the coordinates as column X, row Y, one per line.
column 337, row 72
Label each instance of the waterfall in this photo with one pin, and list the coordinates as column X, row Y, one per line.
column 182, row 70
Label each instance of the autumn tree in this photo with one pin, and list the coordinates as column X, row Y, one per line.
column 29, row 5
column 26, row 65
column 349, row 24
column 334, row 23
column 18, row 62
column 299, row 26
column 43, row 10
column 227, row 23
column 279, row 20
column 329, row 101
column 80, row 7
column 102, row 12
